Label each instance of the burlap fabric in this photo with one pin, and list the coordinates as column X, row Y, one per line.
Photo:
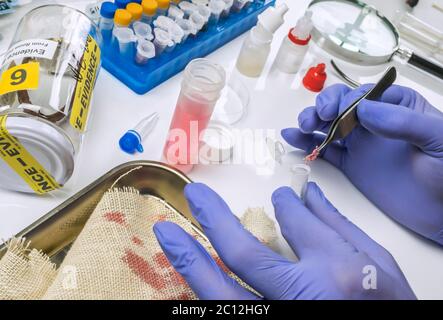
column 116, row 256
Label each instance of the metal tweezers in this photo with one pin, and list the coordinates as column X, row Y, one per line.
column 347, row 120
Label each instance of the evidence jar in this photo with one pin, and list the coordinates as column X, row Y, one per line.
column 47, row 79
column 201, row 87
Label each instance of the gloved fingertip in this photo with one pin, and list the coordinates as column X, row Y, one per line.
column 307, row 120
column 166, row 232
column 313, row 193
column 289, row 134
column 282, row 195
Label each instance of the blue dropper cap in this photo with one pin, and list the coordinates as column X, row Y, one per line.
column 107, row 10
column 131, row 142
column 122, row 3
column 132, row 139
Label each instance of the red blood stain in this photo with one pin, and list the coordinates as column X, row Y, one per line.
column 184, row 296
column 161, row 260
column 137, row 241
column 144, row 270
column 116, row 217
column 176, row 278
column 221, row 264
column 162, row 217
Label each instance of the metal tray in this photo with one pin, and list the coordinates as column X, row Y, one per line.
column 56, row 231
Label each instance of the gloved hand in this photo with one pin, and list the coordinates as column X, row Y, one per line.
column 394, row 157
column 336, row 258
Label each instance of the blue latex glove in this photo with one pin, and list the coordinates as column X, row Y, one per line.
column 333, row 252
column 394, row 157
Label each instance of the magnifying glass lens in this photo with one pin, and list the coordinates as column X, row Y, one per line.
column 354, row 28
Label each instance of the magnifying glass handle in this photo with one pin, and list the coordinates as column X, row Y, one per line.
column 421, row 63
column 426, row 65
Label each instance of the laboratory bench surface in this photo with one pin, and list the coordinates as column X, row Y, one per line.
column 276, row 101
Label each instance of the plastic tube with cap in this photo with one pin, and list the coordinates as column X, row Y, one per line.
column 145, row 50
column 163, row 22
column 163, row 6
column 149, row 10
column 175, row 13
column 176, row 32
column 143, row 31
column 188, row 8
column 106, row 23
column 122, row 3
column 205, row 12
column 136, row 10
column 216, row 7
column 186, row 26
column 299, row 179
column 162, row 41
column 198, row 21
column 131, row 141
column 227, row 9
column 125, row 38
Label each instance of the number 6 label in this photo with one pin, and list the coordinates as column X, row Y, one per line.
column 22, row 77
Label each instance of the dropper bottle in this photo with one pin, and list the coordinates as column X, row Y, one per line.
column 256, row 48
column 295, row 45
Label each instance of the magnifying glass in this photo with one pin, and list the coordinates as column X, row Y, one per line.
column 358, row 33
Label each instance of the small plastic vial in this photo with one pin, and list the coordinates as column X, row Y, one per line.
column 149, row 10
column 256, row 48
column 163, row 6
column 136, row 10
column 294, row 47
column 300, row 177
column 122, row 19
column 254, row 53
column 131, row 141
column 202, row 84
column 216, row 7
column 145, row 51
column 106, row 23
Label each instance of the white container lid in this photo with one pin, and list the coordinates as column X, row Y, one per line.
column 46, row 143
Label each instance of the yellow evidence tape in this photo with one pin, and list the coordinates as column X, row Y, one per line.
column 23, row 163
column 85, row 84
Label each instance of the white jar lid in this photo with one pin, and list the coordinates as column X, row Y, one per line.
column 47, row 143
column 218, row 143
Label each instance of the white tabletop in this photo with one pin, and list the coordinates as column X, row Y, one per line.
column 275, row 103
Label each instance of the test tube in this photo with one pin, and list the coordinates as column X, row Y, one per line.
column 145, row 51
column 149, row 10
column 186, row 26
column 228, row 6
column 136, row 10
column 125, row 38
column 106, row 23
column 132, row 140
column 300, row 177
column 216, row 7
column 188, row 8
column 122, row 19
column 163, row 6
column 202, row 84
column 198, row 21
column 177, row 34
column 162, row 41
column 143, row 31
column 175, row 13
column 163, row 22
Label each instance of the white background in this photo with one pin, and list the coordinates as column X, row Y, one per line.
column 276, row 101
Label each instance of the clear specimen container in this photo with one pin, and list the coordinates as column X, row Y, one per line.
column 300, row 177
column 48, row 76
column 201, row 88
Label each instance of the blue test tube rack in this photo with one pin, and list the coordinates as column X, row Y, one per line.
column 141, row 79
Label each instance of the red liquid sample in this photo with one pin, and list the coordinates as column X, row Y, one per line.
column 191, row 117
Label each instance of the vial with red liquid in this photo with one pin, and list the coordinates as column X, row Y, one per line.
column 202, row 84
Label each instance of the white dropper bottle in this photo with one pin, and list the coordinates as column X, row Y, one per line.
column 295, row 45
column 256, row 48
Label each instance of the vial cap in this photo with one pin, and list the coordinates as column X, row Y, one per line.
column 149, row 7
column 107, row 10
column 122, row 3
column 130, row 142
column 272, row 18
column 163, row 4
column 315, row 78
column 122, row 17
column 135, row 10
